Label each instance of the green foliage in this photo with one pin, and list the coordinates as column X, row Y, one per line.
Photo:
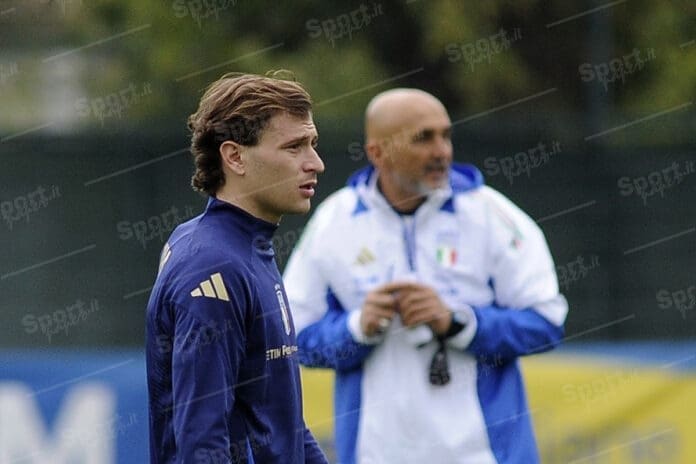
column 474, row 55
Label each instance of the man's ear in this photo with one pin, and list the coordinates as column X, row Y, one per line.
column 231, row 156
column 374, row 152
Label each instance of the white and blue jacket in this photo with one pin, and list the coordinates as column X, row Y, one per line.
column 488, row 261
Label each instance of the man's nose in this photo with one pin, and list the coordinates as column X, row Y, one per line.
column 442, row 147
column 314, row 163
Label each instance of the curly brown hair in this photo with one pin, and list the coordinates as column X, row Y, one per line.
column 238, row 107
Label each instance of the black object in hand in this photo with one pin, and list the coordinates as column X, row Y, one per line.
column 439, row 367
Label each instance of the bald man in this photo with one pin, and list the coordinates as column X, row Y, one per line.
column 421, row 287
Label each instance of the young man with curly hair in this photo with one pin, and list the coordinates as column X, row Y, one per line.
column 222, row 363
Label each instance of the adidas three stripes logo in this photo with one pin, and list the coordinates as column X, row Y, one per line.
column 213, row 287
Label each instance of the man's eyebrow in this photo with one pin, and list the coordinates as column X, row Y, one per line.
column 430, row 131
column 424, row 133
column 300, row 139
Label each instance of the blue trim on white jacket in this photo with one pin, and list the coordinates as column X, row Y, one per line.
column 347, row 400
column 501, row 337
column 328, row 343
column 506, row 413
column 506, row 333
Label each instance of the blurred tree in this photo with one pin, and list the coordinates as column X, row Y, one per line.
column 475, row 56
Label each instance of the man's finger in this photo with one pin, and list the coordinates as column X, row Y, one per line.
column 398, row 285
column 421, row 317
column 415, row 319
column 408, row 298
column 378, row 312
column 372, row 312
column 381, row 299
column 411, row 310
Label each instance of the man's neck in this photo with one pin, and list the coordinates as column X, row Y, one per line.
column 244, row 202
column 401, row 202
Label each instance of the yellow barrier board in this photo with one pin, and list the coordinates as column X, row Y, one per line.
column 317, row 396
column 585, row 411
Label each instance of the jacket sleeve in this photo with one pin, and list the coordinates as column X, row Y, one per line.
column 209, row 343
column 329, row 342
column 313, row 454
column 328, row 334
column 528, row 312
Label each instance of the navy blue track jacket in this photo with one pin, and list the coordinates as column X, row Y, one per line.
column 222, row 364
